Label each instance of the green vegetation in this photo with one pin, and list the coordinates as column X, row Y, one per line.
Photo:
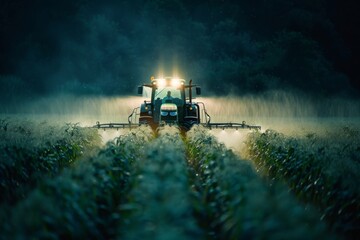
column 171, row 186
column 235, row 203
column 31, row 152
column 94, row 51
column 160, row 201
column 322, row 170
column 82, row 202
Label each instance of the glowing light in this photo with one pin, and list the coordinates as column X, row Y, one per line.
column 161, row 82
column 175, row 82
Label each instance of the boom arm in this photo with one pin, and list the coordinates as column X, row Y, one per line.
column 130, row 125
column 185, row 114
column 230, row 125
column 116, row 126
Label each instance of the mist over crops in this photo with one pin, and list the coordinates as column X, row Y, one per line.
column 291, row 113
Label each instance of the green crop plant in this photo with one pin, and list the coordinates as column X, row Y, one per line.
column 166, row 185
column 31, row 152
column 322, row 170
column 159, row 204
column 235, row 203
column 83, row 201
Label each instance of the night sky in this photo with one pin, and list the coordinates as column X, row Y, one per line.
column 107, row 48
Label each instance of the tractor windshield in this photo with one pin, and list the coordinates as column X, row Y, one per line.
column 169, row 94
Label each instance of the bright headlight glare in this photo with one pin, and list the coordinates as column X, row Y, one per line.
column 161, row 82
column 175, row 82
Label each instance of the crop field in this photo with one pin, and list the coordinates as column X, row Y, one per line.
column 62, row 182
column 321, row 170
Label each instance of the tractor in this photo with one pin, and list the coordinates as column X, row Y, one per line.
column 171, row 103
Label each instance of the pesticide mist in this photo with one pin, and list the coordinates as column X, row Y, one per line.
column 289, row 113
column 285, row 112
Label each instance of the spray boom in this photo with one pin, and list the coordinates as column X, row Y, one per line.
column 169, row 105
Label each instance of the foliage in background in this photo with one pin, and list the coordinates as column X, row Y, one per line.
column 320, row 170
column 87, row 47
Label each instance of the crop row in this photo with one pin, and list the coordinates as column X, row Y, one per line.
column 31, row 152
column 235, row 203
column 83, row 201
column 168, row 187
column 321, row 170
column 159, row 204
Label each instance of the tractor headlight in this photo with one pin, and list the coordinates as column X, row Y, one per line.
column 161, row 82
column 175, row 82
column 173, row 114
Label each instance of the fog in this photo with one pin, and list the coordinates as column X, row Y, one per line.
column 289, row 113
column 286, row 112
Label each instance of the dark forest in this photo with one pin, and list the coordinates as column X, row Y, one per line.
column 85, row 47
